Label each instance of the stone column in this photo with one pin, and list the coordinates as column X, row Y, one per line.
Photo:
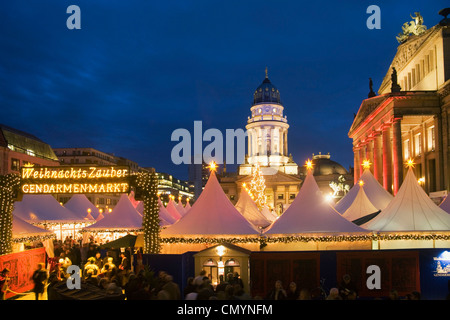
column 378, row 157
column 250, row 143
column 387, row 158
column 356, row 174
column 369, row 152
column 285, row 146
column 397, row 154
column 423, row 160
column 281, row 139
column 440, row 185
column 362, row 157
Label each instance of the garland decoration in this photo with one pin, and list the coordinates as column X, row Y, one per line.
column 146, row 185
column 8, row 192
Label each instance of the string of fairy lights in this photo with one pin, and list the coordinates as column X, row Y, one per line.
column 147, row 185
column 8, row 185
column 257, row 188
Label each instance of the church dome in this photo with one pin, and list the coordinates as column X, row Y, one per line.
column 323, row 165
column 266, row 93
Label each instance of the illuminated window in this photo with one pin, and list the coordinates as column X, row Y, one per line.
column 281, row 196
column 31, row 153
column 15, row 164
column 431, row 139
column 418, row 144
column 406, row 151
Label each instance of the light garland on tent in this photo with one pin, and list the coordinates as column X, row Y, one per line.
column 8, row 185
column 147, row 184
column 263, row 240
column 34, row 238
column 258, row 187
column 212, row 240
column 111, row 230
column 339, row 238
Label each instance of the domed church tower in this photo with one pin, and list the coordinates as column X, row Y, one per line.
column 267, row 130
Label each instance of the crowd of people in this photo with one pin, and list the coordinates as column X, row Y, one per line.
column 111, row 271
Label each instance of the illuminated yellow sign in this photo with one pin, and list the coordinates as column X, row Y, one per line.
column 95, row 179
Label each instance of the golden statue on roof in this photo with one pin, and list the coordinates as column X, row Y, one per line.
column 414, row 27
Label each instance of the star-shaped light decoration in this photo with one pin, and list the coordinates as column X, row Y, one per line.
column 212, row 166
column 309, row 165
column 366, row 164
column 410, row 163
column 361, row 183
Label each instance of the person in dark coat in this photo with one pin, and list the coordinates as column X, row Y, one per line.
column 293, row 292
column 277, row 293
column 39, row 278
column 125, row 264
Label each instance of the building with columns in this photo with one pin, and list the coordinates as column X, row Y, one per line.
column 409, row 118
column 267, row 143
column 267, row 130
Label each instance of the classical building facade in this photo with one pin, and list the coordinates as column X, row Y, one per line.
column 409, row 118
column 267, row 129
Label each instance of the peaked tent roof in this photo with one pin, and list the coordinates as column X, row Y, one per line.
column 140, row 207
column 445, row 204
column 379, row 197
column 311, row 213
column 164, row 215
column 43, row 207
column 172, row 209
column 79, row 204
column 21, row 228
column 134, row 202
column 268, row 214
column 180, row 208
column 124, row 216
column 360, row 207
column 410, row 210
column 247, row 207
column 211, row 214
column 187, row 207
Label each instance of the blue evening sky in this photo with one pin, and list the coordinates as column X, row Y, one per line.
column 138, row 70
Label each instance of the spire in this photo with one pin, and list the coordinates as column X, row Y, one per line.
column 267, row 74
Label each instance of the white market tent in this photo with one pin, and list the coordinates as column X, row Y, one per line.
column 82, row 207
column 211, row 215
column 23, row 232
column 140, row 207
column 134, row 202
column 410, row 210
column 377, row 195
column 164, row 215
column 187, row 206
column 46, row 210
column 180, row 208
column 124, row 217
column 361, row 207
column 268, row 214
column 248, row 208
column 43, row 208
column 22, row 229
column 311, row 213
column 445, row 204
column 172, row 209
